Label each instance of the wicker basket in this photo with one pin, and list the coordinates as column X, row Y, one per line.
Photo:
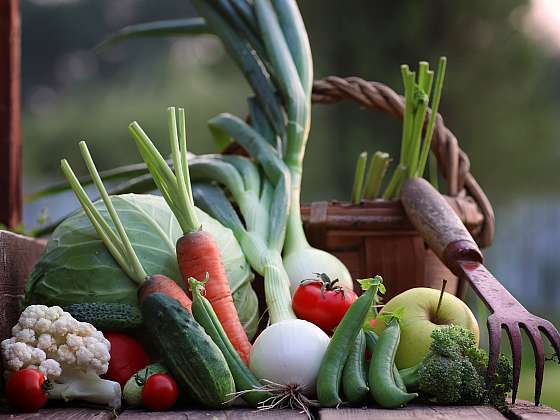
column 375, row 237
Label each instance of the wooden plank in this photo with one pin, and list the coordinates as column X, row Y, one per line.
column 18, row 254
column 419, row 412
column 10, row 131
column 525, row 410
column 238, row 414
column 74, row 413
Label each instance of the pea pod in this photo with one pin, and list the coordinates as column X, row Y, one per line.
column 371, row 340
column 242, row 376
column 410, row 376
column 383, row 386
column 354, row 375
column 330, row 373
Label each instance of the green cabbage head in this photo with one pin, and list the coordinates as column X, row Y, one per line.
column 76, row 267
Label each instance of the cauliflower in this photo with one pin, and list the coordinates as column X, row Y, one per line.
column 71, row 354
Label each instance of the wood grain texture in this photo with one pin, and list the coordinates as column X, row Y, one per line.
column 525, row 410
column 74, row 413
column 238, row 414
column 10, row 114
column 18, row 254
column 413, row 412
column 432, row 216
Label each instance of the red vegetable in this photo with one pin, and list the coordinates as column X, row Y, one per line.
column 26, row 390
column 127, row 357
column 160, row 392
column 159, row 283
column 322, row 302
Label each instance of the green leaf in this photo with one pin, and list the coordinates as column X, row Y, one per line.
column 172, row 27
column 387, row 317
column 76, row 267
column 372, row 281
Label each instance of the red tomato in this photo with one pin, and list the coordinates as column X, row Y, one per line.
column 322, row 302
column 160, row 392
column 26, row 390
column 127, row 357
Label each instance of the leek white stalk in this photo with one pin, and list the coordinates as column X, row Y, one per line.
column 287, row 46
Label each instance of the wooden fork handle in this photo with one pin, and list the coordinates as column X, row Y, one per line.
column 438, row 224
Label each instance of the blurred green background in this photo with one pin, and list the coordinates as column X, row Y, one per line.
column 501, row 99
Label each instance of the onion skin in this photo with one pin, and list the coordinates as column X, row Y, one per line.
column 290, row 353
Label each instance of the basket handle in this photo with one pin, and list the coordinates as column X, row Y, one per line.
column 453, row 162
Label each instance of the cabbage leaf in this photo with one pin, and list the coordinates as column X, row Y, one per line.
column 76, row 267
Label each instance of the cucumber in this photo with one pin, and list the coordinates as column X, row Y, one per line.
column 354, row 375
column 243, row 377
column 107, row 316
column 190, row 355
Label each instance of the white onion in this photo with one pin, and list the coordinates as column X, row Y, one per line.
column 290, row 353
column 303, row 263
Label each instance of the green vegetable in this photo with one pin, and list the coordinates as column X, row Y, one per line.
column 107, row 316
column 383, row 386
column 415, row 150
column 132, row 391
column 359, row 178
column 330, row 374
column 244, row 379
column 77, row 268
column 371, row 341
column 375, row 174
column 454, row 371
column 354, row 375
column 194, row 360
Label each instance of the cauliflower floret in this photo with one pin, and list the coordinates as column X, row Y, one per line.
column 26, row 335
column 50, row 368
column 71, row 353
column 47, row 343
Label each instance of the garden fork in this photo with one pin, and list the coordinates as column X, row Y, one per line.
column 446, row 235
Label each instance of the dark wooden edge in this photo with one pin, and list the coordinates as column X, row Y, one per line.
column 525, row 410
column 10, row 131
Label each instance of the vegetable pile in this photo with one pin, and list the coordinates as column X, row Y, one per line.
column 154, row 293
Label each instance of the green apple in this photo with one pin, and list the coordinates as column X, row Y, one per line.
column 420, row 319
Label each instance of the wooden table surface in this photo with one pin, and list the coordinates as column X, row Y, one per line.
column 19, row 253
column 522, row 410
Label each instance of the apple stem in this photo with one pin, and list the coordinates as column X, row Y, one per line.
column 444, row 284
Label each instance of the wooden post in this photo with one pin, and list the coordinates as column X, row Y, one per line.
column 10, row 130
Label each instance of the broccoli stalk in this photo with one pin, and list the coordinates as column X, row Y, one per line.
column 454, row 371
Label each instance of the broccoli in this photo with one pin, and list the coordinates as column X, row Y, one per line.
column 454, row 371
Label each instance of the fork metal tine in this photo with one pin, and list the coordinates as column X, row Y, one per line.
column 552, row 334
column 494, row 340
column 514, row 335
column 536, row 340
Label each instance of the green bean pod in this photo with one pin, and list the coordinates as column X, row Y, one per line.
column 371, row 340
column 383, row 386
column 330, row 373
column 354, row 375
column 242, row 376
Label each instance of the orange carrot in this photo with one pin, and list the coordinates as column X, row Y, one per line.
column 159, row 283
column 197, row 255
column 197, row 251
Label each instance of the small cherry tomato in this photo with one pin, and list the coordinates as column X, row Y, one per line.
column 160, row 392
column 26, row 390
column 127, row 357
column 322, row 302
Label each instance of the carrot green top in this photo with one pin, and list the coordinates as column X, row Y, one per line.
column 175, row 187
